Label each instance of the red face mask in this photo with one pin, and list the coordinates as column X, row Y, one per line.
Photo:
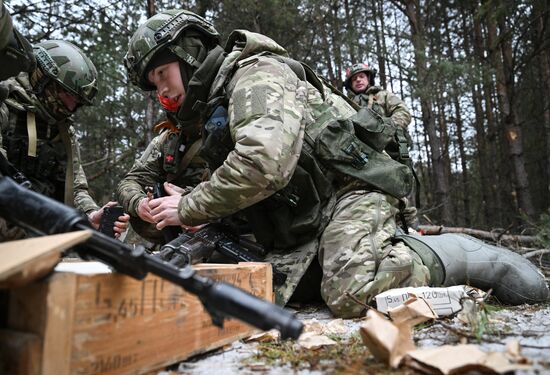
column 168, row 104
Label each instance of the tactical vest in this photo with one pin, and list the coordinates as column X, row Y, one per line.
column 332, row 159
column 43, row 159
column 398, row 140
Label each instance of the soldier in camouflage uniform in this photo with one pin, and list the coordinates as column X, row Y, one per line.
column 285, row 156
column 37, row 136
column 360, row 83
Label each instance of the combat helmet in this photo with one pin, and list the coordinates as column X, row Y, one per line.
column 163, row 31
column 65, row 64
column 358, row 68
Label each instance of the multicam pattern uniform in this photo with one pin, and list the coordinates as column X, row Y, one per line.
column 13, row 113
column 386, row 104
column 270, row 110
column 146, row 172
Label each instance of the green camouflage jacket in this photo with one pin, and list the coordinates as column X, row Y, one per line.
column 269, row 110
column 148, row 171
column 47, row 169
column 386, row 104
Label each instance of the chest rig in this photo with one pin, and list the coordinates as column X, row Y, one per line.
column 37, row 149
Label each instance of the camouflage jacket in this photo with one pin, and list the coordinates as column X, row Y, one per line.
column 47, row 169
column 269, row 110
column 386, row 104
column 148, row 170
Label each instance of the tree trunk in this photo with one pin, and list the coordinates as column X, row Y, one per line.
column 506, row 91
column 484, row 162
column 542, row 29
column 377, row 36
column 412, row 11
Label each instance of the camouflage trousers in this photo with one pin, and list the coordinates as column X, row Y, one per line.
column 357, row 256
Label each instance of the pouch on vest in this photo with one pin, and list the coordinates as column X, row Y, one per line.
column 341, row 150
column 217, row 142
column 373, row 129
column 293, row 215
column 170, row 153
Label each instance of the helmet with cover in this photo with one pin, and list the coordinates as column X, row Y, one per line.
column 164, row 32
column 65, row 64
column 358, row 68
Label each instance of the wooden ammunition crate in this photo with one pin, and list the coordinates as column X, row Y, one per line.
column 109, row 323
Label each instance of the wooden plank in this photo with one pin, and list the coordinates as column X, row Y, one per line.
column 58, row 330
column 25, row 260
column 112, row 324
column 21, row 353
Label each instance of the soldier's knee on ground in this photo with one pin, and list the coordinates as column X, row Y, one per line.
column 400, row 268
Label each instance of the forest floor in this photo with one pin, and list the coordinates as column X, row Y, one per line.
column 528, row 325
column 496, row 329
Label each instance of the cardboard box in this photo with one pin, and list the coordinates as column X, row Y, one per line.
column 445, row 301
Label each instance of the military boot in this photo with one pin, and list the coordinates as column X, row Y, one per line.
column 455, row 259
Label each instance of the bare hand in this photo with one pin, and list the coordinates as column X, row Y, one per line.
column 144, row 212
column 165, row 211
column 174, row 189
column 95, row 216
column 120, row 226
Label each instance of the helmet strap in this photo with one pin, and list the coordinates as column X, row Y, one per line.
column 199, row 85
column 184, row 55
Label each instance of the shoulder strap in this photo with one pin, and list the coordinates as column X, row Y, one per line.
column 190, row 153
column 69, row 172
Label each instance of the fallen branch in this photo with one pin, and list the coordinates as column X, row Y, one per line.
column 485, row 235
column 535, row 253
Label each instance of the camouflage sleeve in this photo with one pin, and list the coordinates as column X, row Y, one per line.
column 394, row 108
column 4, row 118
column 15, row 51
column 5, row 26
column 82, row 199
column 265, row 110
column 146, row 171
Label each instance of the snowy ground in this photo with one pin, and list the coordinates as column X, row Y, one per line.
column 529, row 325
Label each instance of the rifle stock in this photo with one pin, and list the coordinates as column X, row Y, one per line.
column 43, row 215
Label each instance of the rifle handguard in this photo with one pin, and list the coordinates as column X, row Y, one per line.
column 257, row 312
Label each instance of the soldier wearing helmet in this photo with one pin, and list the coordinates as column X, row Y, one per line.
column 360, row 83
column 283, row 153
column 37, row 136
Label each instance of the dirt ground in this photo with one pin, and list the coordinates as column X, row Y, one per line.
column 529, row 325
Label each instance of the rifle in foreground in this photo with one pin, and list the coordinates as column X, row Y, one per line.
column 43, row 215
column 184, row 249
column 198, row 247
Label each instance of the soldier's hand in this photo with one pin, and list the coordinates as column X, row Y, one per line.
column 120, row 225
column 165, row 210
column 144, row 212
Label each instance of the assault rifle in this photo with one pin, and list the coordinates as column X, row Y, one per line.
column 184, row 249
column 43, row 215
column 198, row 247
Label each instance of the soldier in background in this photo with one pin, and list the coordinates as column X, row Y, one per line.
column 37, row 136
column 283, row 152
column 362, row 89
